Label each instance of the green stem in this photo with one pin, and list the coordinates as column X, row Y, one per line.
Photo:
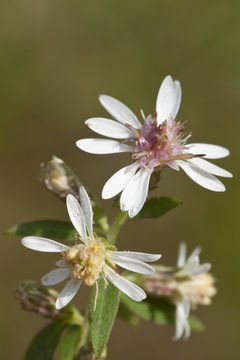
column 103, row 223
column 118, row 222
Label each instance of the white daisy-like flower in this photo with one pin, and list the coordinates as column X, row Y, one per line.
column 90, row 257
column 195, row 287
column 157, row 142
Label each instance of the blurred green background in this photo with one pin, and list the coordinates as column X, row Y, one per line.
column 57, row 56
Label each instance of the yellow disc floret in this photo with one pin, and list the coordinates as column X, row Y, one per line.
column 87, row 260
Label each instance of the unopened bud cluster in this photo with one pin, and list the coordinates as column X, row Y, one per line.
column 37, row 298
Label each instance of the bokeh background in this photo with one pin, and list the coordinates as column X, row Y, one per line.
column 57, row 56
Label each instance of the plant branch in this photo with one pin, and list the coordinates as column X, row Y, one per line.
column 116, row 226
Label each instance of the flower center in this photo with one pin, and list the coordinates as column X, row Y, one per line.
column 87, row 260
column 199, row 290
column 159, row 145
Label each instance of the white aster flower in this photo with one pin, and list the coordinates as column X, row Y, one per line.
column 187, row 285
column 195, row 286
column 89, row 257
column 153, row 144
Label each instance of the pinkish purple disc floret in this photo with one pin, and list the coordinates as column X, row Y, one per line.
column 160, row 145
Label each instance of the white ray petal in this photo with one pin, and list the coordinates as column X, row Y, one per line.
column 201, row 177
column 192, row 267
column 187, row 331
column 141, row 194
column 200, row 269
column 55, row 276
column 186, row 307
column 209, row 167
column 87, row 210
column 68, row 292
column 182, row 255
column 62, row 263
column 119, row 111
column 76, row 215
column 118, row 181
column 135, row 255
column 43, row 244
column 196, row 252
column 102, row 146
column 179, row 321
column 135, row 193
column 168, row 99
column 210, row 151
column 126, row 286
column 132, row 264
column 181, row 316
column 109, row 128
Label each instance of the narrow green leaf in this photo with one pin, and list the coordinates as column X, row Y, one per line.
column 156, row 207
column 69, row 343
column 44, row 344
column 54, row 229
column 103, row 316
column 159, row 311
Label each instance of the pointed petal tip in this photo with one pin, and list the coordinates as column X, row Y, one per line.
column 168, row 99
column 105, row 194
column 24, row 241
column 139, row 299
column 101, row 96
column 228, row 174
column 168, row 77
column 157, row 256
column 132, row 213
column 69, row 197
column 78, row 143
column 58, row 304
column 68, row 293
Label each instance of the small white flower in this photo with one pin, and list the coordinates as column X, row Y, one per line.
column 196, row 289
column 90, row 257
column 156, row 143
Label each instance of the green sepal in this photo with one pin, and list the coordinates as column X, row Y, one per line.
column 102, row 317
column 195, row 323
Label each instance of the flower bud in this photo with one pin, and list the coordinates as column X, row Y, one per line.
column 37, row 298
column 59, row 178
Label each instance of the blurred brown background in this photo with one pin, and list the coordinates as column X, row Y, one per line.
column 57, row 56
